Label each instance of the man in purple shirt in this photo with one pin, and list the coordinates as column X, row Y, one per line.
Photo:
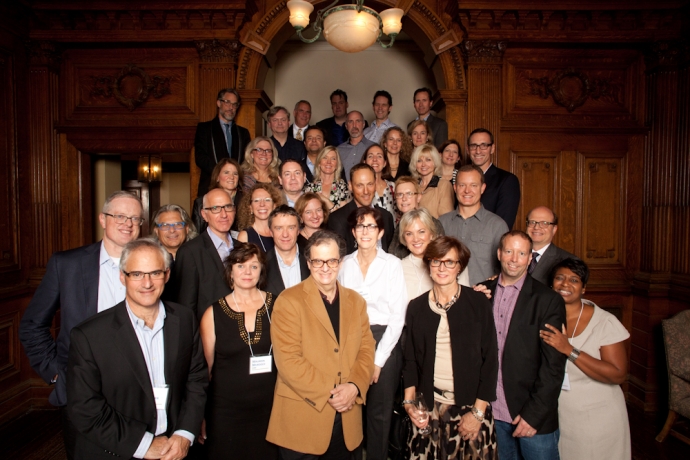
column 530, row 375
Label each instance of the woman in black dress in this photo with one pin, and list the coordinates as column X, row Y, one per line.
column 236, row 334
column 252, row 215
column 398, row 147
column 313, row 210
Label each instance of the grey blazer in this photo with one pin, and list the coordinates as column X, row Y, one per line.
column 547, row 261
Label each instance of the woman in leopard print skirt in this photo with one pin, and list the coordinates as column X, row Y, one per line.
column 451, row 356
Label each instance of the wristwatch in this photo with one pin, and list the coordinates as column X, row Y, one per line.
column 479, row 415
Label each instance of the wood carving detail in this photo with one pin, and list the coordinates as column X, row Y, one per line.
column 131, row 87
column 218, row 50
column 571, row 88
column 42, row 53
column 484, row 50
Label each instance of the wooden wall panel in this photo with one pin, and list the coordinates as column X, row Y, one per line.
column 538, row 176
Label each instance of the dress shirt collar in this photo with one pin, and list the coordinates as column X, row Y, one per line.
column 105, row 258
column 542, row 250
column 282, row 264
column 517, row 285
column 217, row 241
column 480, row 214
column 295, row 130
column 140, row 324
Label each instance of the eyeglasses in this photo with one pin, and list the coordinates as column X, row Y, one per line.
column 448, row 263
column 263, row 151
column 368, row 227
column 318, row 263
column 121, row 219
column 234, row 105
column 138, row 276
column 479, row 146
column 217, row 209
column 401, row 195
column 262, row 200
column 169, row 226
column 542, row 224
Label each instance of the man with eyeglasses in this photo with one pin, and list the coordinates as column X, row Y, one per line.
column 220, row 137
column 137, row 376
column 542, row 225
column 324, row 354
column 478, row 229
column 198, row 278
column 172, row 227
column 288, row 147
column 79, row 283
column 502, row 194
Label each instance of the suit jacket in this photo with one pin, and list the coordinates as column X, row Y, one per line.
column 292, row 149
column 199, row 276
column 335, row 134
column 109, row 390
column 438, row 128
column 210, row 147
column 292, row 134
column 70, row 285
column 532, row 370
column 274, row 280
column 502, row 194
column 310, row 362
column 338, row 223
column 547, row 261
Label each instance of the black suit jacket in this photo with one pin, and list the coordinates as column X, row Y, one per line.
column 274, row 280
column 210, row 147
column 292, row 149
column 502, row 194
column 335, row 134
column 532, row 370
column 70, row 285
column 338, row 223
column 109, row 391
column 547, row 261
column 199, row 276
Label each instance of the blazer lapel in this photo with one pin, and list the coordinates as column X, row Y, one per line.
column 220, row 146
column 303, row 267
column 317, row 308
column 275, row 280
column 171, row 332
column 213, row 253
column 346, row 315
column 128, row 344
column 90, row 270
column 521, row 307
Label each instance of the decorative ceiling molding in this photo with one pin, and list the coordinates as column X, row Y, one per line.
column 218, row 50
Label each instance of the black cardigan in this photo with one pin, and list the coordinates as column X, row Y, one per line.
column 473, row 344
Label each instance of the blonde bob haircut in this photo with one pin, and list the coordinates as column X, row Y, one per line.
column 426, row 150
column 408, row 180
column 248, row 166
column 410, row 217
column 317, row 166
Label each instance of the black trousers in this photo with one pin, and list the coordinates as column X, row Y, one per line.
column 69, row 433
column 380, row 398
column 337, row 450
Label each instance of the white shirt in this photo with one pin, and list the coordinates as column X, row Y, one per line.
column 290, row 273
column 541, row 252
column 220, row 245
column 385, row 293
column 153, row 349
column 295, row 130
column 111, row 291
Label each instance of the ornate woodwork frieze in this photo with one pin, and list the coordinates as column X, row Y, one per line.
column 668, row 53
column 44, row 54
column 218, row 50
column 484, row 51
column 571, row 88
column 131, row 87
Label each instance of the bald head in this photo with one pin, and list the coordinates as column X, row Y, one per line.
column 542, row 225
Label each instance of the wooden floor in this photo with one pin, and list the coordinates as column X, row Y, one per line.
column 37, row 436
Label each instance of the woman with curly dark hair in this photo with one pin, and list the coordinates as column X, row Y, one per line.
column 253, row 213
column 398, row 148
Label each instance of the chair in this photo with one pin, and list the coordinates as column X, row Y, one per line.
column 677, row 343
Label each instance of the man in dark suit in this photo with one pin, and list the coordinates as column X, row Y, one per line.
column 530, row 371
column 363, row 187
column 314, row 142
column 220, row 137
column 79, row 283
column 286, row 265
column 334, row 127
column 288, row 147
column 502, row 194
column 302, row 114
column 423, row 100
column 137, row 377
column 542, row 225
column 198, row 278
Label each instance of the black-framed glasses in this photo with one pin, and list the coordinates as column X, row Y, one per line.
column 122, row 219
column 539, row 223
column 318, row 263
column 218, row 209
column 234, row 105
column 481, row 146
column 368, row 227
column 138, row 276
column 448, row 263
column 169, row 226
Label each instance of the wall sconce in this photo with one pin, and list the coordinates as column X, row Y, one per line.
column 150, row 169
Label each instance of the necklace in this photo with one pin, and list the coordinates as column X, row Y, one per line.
column 578, row 319
column 447, row 305
column 261, row 241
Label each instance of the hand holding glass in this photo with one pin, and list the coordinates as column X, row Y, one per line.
column 422, row 415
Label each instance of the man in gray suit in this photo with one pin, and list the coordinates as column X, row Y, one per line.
column 423, row 101
column 542, row 225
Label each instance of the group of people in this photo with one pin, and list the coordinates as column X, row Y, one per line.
column 322, row 270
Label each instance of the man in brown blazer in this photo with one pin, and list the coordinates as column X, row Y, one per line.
column 324, row 353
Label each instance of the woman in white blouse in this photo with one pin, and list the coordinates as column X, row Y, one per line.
column 378, row 277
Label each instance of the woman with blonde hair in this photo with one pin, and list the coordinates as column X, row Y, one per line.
column 398, row 147
column 260, row 163
column 252, row 215
column 437, row 193
column 327, row 181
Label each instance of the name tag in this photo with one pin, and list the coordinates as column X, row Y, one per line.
column 364, row 292
column 160, row 395
column 260, row 364
column 566, row 382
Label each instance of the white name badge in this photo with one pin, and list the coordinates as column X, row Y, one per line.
column 160, row 394
column 363, row 291
column 260, row 364
column 566, row 382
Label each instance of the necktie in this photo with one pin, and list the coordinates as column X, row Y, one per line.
column 228, row 138
column 299, row 134
column 533, row 264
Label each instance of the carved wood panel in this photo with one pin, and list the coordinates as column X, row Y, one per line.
column 9, row 244
column 9, row 344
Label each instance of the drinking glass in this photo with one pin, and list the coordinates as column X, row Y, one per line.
column 423, row 412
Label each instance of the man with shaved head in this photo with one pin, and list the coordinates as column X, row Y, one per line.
column 542, row 225
column 351, row 151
